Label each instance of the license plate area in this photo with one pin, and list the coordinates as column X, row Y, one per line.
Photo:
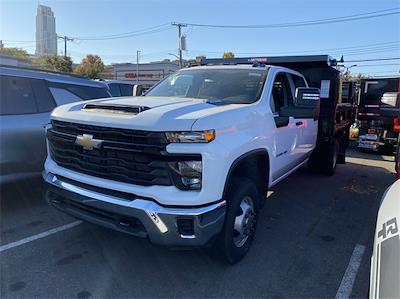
column 368, row 145
column 373, row 137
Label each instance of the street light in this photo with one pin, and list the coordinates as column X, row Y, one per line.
column 349, row 67
column 176, row 56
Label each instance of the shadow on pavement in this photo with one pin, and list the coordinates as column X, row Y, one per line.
column 305, row 237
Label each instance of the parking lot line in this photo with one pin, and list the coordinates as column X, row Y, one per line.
column 39, row 236
column 349, row 276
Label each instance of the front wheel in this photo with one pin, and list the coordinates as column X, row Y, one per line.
column 240, row 221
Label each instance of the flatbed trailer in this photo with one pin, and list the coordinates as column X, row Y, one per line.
column 337, row 113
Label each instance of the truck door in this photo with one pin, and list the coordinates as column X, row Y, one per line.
column 286, row 132
column 306, row 123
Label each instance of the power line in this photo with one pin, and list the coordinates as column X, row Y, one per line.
column 143, row 31
column 354, row 49
column 378, row 65
column 366, row 51
column 150, row 30
column 121, row 34
column 376, row 59
column 383, row 72
column 368, row 15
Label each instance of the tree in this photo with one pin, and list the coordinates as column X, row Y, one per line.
column 348, row 76
column 16, row 52
column 55, row 63
column 228, row 55
column 90, row 66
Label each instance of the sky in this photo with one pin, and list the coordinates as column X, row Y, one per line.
column 356, row 40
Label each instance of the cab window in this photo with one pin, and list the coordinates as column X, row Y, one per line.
column 297, row 81
column 281, row 93
column 114, row 90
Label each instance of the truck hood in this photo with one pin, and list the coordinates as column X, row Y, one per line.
column 140, row 113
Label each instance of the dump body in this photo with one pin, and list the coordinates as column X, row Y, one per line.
column 378, row 113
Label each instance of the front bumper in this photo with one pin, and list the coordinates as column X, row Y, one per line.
column 181, row 226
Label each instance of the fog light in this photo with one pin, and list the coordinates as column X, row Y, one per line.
column 188, row 174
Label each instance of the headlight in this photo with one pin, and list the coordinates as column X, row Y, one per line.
column 191, row 137
column 187, row 174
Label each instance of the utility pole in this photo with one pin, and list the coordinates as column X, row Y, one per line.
column 137, row 66
column 66, row 39
column 179, row 26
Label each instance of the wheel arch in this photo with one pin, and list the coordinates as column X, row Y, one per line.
column 243, row 166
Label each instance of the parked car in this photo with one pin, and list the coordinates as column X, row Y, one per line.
column 120, row 88
column 27, row 98
column 385, row 260
column 191, row 161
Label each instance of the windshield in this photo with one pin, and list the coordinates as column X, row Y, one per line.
column 231, row 86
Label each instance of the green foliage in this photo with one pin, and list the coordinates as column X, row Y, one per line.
column 55, row 63
column 90, row 66
column 228, row 55
column 16, row 52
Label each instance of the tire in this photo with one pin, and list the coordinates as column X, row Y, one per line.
column 242, row 207
column 329, row 163
column 386, row 149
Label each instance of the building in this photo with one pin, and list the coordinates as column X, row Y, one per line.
column 46, row 36
column 146, row 74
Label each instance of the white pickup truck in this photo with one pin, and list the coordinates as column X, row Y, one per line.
column 190, row 162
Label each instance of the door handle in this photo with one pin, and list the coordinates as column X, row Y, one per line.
column 299, row 123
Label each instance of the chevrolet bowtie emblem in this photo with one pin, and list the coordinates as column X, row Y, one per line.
column 88, row 142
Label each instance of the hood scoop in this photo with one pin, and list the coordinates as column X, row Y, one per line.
column 114, row 108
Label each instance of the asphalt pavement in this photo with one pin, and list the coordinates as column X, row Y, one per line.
column 307, row 234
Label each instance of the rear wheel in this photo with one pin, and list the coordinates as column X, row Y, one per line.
column 328, row 166
column 240, row 221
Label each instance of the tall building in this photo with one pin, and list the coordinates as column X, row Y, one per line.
column 46, row 36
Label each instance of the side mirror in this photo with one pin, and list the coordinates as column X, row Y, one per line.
column 281, row 121
column 137, row 90
column 306, row 97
